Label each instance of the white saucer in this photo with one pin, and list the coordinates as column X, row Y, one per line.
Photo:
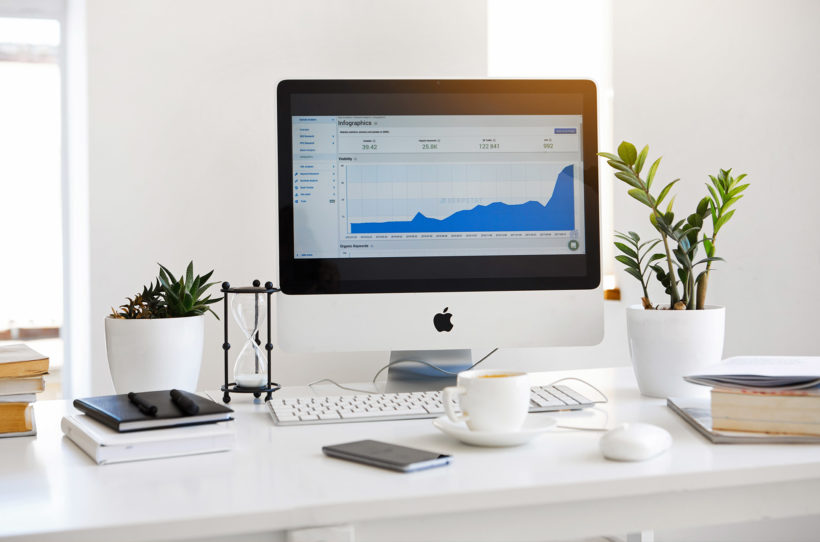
column 535, row 425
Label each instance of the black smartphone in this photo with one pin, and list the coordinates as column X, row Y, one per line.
column 387, row 456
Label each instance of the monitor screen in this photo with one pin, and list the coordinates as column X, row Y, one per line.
column 435, row 186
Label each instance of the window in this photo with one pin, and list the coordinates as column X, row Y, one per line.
column 31, row 283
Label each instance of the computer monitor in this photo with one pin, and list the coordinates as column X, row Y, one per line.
column 430, row 217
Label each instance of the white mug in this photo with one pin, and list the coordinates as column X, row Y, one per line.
column 490, row 400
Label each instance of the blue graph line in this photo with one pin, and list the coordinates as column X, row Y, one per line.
column 557, row 214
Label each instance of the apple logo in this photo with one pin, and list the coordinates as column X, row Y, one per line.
column 442, row 322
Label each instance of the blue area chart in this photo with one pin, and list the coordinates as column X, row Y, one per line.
column 556, row 215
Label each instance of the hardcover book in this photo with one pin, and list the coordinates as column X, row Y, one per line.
column 104, row 445
column 698, row 414
column 16, row 418
column 120, row 414
column 20, row 360
column 784, row 411
column 15, row 386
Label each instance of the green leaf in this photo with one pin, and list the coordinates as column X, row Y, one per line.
column 629, row 262
column 629, row 179
column 641, row 159
column 651, row 244
column 715, row 200
column 728, row 203
column 626, row 250
column 652, row 170
column 609, row 156
column 703, row 207
column 723, row 220
column 657, row 256
column 617, row 164
column 627, row 152
column 695, row 220
column 170, row 275
column 641, row 196
column 710, row 259
column 635, row 236
column 635, row 273
column 189, row 273
column 708, row 246
column 665, row 191
column 737, row 190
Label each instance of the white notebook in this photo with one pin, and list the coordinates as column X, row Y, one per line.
column 104, row 445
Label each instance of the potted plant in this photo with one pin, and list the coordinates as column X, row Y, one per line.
column 670, row 340
column 155, row 340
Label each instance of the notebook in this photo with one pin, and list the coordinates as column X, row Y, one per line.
column 120, row 414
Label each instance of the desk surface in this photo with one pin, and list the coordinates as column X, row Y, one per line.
column 277, row 480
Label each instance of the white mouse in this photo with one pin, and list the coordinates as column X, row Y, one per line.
column 635, row 442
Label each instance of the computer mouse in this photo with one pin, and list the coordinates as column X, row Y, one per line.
column 635, row 442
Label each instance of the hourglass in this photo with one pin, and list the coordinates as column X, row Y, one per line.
column 250, row 308
column 249, row 313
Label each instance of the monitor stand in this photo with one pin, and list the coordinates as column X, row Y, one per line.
column 406, row 377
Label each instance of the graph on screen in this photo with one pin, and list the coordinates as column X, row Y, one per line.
column 438, row 198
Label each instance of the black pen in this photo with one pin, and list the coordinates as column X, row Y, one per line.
column 145, row 408
column 184, row 403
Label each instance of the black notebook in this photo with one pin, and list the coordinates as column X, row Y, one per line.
column 119, row 413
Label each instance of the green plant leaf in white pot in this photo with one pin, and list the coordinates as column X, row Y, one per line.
column 685, row 335
column 155, row 341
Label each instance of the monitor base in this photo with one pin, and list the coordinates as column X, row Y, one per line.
column 408, row 377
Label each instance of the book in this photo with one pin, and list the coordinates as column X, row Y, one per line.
column 15, row 386
column 20, row 360
column 105, row 445
column 18, row 398
column 771, row 372
column 29, row 433
column 795, row 411
column 120, row 414
column 698, row 414
column 16, row 417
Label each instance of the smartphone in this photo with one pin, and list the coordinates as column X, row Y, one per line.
column 387, row 456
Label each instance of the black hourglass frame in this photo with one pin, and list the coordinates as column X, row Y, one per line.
column 232, row 387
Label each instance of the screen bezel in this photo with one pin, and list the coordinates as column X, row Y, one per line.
column 439, row 274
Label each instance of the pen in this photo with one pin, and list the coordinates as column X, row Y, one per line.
column 185, row 404
column 144, row 407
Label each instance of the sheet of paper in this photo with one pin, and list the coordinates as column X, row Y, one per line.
column 767, row 366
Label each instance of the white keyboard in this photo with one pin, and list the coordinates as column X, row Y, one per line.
column 370, row 407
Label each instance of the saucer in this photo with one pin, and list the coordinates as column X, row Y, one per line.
column 534, row 426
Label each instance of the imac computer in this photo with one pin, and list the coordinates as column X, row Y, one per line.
column 431, row 217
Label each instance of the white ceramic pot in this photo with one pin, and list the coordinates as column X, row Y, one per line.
column 667, row 345
column 154, row 354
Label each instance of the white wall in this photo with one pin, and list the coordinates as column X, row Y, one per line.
column 182, row 146
column 725, row 84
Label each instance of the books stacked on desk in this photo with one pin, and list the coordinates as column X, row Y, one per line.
column 150, row 425
column 768, row 399
column 21, row 378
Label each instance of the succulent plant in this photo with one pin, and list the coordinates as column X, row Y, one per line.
column 169, row 297
column 184, row 296
column 682, row 239
column 148, row 304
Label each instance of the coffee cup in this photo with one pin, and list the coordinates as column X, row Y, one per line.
column 490, row 400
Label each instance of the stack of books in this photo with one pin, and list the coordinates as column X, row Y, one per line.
column 149, row 425
column 758, row 399
column 21, row 378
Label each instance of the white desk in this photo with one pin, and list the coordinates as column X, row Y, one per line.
column 278, row 480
